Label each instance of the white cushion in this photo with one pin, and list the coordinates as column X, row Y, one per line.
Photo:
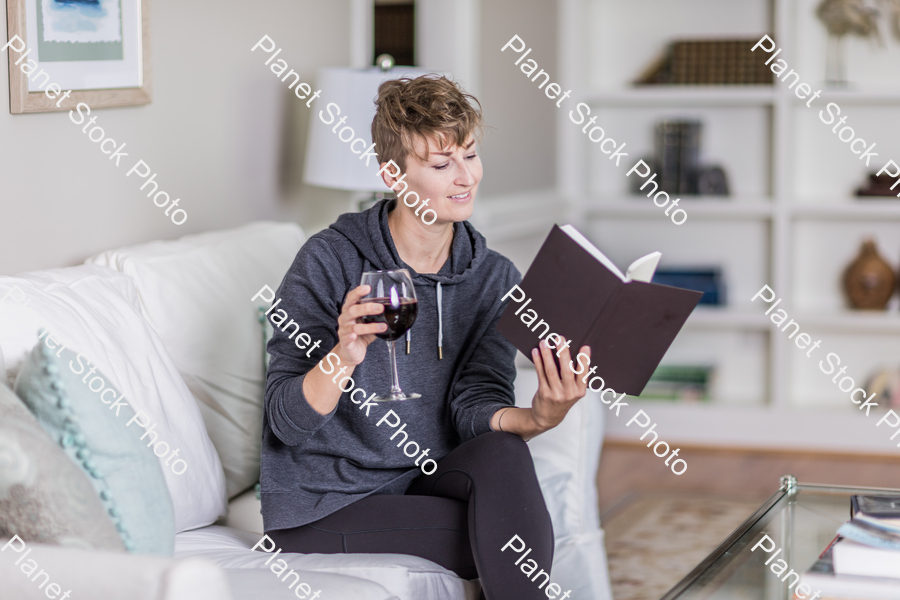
column 109, row 575
column 406, row 577
column 566, row 460
column 245, row 512
column 3, row 379
column 263, row 584
column 196, row 293
column 94, row 310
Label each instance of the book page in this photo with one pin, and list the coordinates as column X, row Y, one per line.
column 593, row 250
column 640, row 270
column 643, row 268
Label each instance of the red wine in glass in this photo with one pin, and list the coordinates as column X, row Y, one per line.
column 393, row 290
column 399, row 318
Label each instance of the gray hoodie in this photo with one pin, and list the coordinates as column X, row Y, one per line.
column 312, row 464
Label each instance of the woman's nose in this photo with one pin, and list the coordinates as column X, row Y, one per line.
column 465, row 177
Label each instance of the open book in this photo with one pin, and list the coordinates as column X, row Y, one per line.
column 574, row 290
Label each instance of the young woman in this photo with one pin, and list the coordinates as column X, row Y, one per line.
column 334, row 480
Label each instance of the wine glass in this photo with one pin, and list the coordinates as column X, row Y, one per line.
column 395, row 291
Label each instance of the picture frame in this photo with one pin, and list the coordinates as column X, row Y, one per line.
column 98, row 49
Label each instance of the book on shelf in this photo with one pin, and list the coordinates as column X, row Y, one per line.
column 707, row 280
column 878, row 186
column 677, row 162
column 679, row 382
column 668, row 155
column 579, row 293
column 688, row 156
column 708, row 62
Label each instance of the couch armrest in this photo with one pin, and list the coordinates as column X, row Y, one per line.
column 105, row 575
column 566, row 460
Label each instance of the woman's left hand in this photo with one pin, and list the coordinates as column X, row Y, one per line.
column 557, row 392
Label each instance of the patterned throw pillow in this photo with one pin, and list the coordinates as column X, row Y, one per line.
column 123, row 469
column 44, row 498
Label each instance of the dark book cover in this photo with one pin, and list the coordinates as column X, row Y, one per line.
column 709, row 281
column 688, row 155
column 668, row 151
column 629, row 326
column 877, row 507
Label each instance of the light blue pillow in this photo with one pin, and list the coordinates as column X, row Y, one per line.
column 124, row 471
column 44, row 498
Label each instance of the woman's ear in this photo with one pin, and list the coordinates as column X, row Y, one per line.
column 387, row 176
column 390, row 175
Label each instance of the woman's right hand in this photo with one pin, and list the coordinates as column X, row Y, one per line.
column 354, row 337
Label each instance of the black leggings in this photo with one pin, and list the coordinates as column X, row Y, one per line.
column 482, row 494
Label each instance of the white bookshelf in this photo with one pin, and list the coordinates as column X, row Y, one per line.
column 791, row 221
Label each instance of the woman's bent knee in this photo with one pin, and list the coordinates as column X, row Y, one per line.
column 505, row 447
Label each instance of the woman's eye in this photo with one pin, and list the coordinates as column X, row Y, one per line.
column 442, row 167
column 471, row 156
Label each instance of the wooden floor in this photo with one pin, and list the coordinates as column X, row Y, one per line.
column 626, row 468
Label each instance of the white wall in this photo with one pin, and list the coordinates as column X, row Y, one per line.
column 519, row 149
column 212, row 133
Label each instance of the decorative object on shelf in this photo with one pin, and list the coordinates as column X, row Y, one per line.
column 869, row 281
column 706, row 280
column 885, row 383
column 677, row 145
column 679, row 382
column 879, row 185
column 856, row 17
column 712, row 181
column 707, row 62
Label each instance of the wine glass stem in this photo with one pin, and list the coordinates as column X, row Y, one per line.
column 395, row 379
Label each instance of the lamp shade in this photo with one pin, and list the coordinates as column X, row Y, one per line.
column 330, row 162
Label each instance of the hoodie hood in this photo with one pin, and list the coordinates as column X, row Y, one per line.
column 368, row 231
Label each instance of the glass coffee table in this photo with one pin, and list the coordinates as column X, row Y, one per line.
column 801, row 519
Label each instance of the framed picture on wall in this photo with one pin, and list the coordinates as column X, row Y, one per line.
column 96, row 50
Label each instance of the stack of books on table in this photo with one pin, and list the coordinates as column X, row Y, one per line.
column 863, row 561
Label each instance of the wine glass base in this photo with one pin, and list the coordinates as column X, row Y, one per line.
column 396, row 397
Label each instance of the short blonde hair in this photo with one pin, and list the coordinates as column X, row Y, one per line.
column 407, row 110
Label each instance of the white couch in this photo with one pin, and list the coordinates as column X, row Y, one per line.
column 187, row 304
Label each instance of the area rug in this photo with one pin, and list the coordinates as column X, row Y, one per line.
column 654, row 539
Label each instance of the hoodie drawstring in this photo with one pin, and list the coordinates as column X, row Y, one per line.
column 440, row 326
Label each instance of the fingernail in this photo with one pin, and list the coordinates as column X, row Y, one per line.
column 534, row 351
